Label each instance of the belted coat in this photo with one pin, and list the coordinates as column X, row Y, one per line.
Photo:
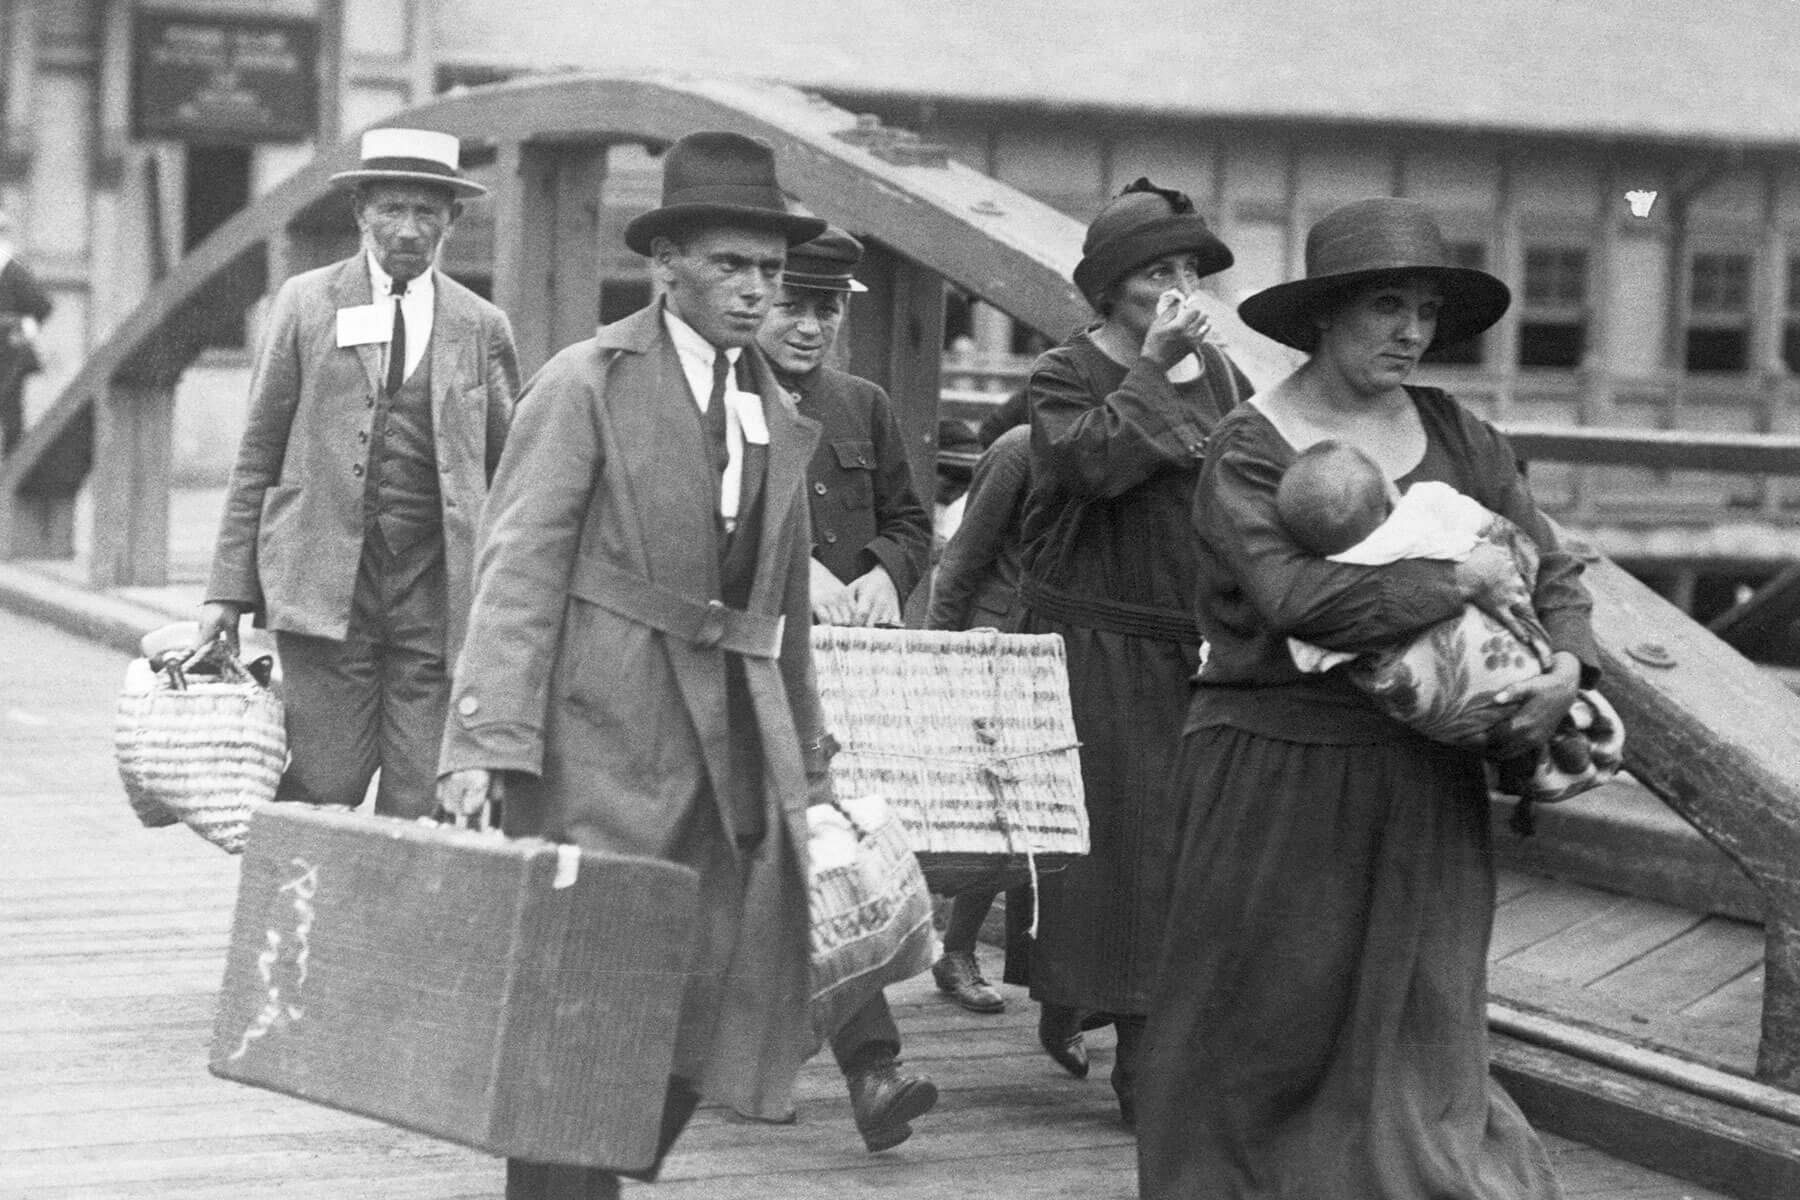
column 291, row 536
column 610, row 728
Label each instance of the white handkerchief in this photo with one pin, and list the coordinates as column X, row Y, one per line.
column 365, row 324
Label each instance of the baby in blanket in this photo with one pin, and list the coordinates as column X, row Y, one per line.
column 1335, row 502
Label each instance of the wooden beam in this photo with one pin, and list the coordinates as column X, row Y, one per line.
column 132, row 456
column 1680, row 450
column 1718, row 741
column 896, row 339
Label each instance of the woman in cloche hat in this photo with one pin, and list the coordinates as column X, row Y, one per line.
column 1319, row 1023
column 1120, row 413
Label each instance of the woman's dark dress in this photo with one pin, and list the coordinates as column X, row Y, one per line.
column 1109, row 564
column 1319, row 1025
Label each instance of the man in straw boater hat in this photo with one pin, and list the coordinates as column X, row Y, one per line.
column 638, row 673
column 871, row 539
column 378, row 407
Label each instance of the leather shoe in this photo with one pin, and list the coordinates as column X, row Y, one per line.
column 959, row 974
column 1059, row 1032
column 884, row 1100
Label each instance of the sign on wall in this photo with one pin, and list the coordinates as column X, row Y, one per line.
column 224, row 78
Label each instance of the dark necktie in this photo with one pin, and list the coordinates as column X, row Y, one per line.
column 713, row 419
column 396, row 371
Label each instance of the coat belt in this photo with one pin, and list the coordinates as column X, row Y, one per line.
column 701, row 623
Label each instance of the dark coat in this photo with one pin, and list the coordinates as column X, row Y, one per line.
column 20, row 293
column 612, row 729
column 976, row 584
column 291, row 537
column 865, row 509
column 1110, row 566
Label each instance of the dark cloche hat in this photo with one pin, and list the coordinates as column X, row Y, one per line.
column 1142, row 223
column 411, row 156
column 825, row 264
column 1366, row 242
column 713, row 178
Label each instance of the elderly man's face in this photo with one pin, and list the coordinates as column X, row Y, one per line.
column 721, row 281
column 403, row 224
column 801, row 327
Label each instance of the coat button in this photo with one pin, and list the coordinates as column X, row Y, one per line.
column 357, row 470
column 819, row 488
column 830, row 538
column 363, row 437
column 468, row 706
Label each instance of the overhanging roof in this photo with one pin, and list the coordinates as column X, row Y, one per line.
column 1716, row 71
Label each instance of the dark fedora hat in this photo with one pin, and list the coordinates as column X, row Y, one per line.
column 714, row 178
column 1143, row 223
column 411, row 156
column 1370, row 241
column 825, row 264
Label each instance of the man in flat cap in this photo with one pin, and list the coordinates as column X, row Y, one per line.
column 638, row 674
column 871, row 539
column 378, row 407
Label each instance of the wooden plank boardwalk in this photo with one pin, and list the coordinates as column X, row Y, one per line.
column 112, row 941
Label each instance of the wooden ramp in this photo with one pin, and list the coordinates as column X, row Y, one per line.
column 112, row 941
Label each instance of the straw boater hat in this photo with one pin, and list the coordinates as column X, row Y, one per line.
column 411, row 156
column 1141, row 224
column 720, row 179
column 1371, row 241
column 825, row 263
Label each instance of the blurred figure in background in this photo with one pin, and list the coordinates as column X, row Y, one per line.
column 23, row 308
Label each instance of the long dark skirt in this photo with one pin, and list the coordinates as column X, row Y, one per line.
column 1101, row 919
column 1319, row 1025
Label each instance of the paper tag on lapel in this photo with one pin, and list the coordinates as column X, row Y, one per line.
column 364, row 324
column 747, row 407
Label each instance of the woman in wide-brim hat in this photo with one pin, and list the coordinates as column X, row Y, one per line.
column 1319, row 1026
column 1120, row 414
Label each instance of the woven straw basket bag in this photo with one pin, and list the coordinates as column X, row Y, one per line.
column 202, row 749
column 969, row 736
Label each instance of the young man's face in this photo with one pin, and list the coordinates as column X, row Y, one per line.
column 403, row 224
column 721, row 281
column 801, row 326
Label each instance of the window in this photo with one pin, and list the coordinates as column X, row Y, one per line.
column 1468, row 352
column 1554, row 317
column 1718, row 328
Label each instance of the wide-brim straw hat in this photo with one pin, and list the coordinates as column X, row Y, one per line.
column 411, row 156
column 1139, row 225
column 1372, row 241
column 714, row 179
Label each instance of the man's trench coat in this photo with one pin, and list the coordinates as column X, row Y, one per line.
column 610, row 728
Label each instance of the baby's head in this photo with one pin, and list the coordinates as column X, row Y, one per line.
column 1332, row 497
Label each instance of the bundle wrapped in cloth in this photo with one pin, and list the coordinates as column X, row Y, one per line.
column 1442, row 682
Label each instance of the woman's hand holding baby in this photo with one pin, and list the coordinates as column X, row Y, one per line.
column 1542, row 703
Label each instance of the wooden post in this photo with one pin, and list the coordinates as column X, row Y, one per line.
column 134, row 424
column 546, row 244
column 896, row 339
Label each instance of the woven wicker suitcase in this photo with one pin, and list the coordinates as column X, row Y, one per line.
column 508, row 994
column 970, row 738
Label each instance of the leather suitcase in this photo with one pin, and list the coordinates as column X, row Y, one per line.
column 510, row 994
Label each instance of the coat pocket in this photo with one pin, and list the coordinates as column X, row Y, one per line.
column 856, row 464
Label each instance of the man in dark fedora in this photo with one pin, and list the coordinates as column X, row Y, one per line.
column 638, row 672
column 378, row 408
column 871, row 539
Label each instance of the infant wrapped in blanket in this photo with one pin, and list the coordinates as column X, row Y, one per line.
column 1443, row 681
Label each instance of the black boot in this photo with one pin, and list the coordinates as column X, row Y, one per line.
column 884, row 1100
column 1059, row 1032
column 1125, row 1061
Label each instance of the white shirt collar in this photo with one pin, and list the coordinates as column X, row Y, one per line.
column 382, row 284
column 696, row 350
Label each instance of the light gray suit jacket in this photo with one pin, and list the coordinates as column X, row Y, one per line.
column 292, row 531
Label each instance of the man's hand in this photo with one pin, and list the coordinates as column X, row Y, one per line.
column 219, row 620
column 1542, row 703
column 466, row 792
column 832, row 602
column 874, row 599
